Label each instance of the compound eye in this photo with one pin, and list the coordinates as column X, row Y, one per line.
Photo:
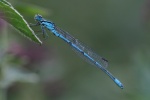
column 39, row 16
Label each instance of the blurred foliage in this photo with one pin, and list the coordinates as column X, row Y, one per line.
column 31, row 10
column 118, row 30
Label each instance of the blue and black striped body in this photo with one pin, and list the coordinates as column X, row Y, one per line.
column 80, row 48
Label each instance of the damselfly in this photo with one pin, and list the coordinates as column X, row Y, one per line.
column 77, row 46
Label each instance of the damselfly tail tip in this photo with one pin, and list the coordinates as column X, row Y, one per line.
column 118, row 83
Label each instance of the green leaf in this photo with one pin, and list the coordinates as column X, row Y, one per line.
column 13, row 17
column 4, row 1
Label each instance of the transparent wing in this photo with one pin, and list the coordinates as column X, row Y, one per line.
column 84, row 48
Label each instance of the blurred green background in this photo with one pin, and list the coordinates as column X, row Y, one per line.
column 116, row 29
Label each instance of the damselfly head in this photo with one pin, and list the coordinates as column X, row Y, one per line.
column 38, row 17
